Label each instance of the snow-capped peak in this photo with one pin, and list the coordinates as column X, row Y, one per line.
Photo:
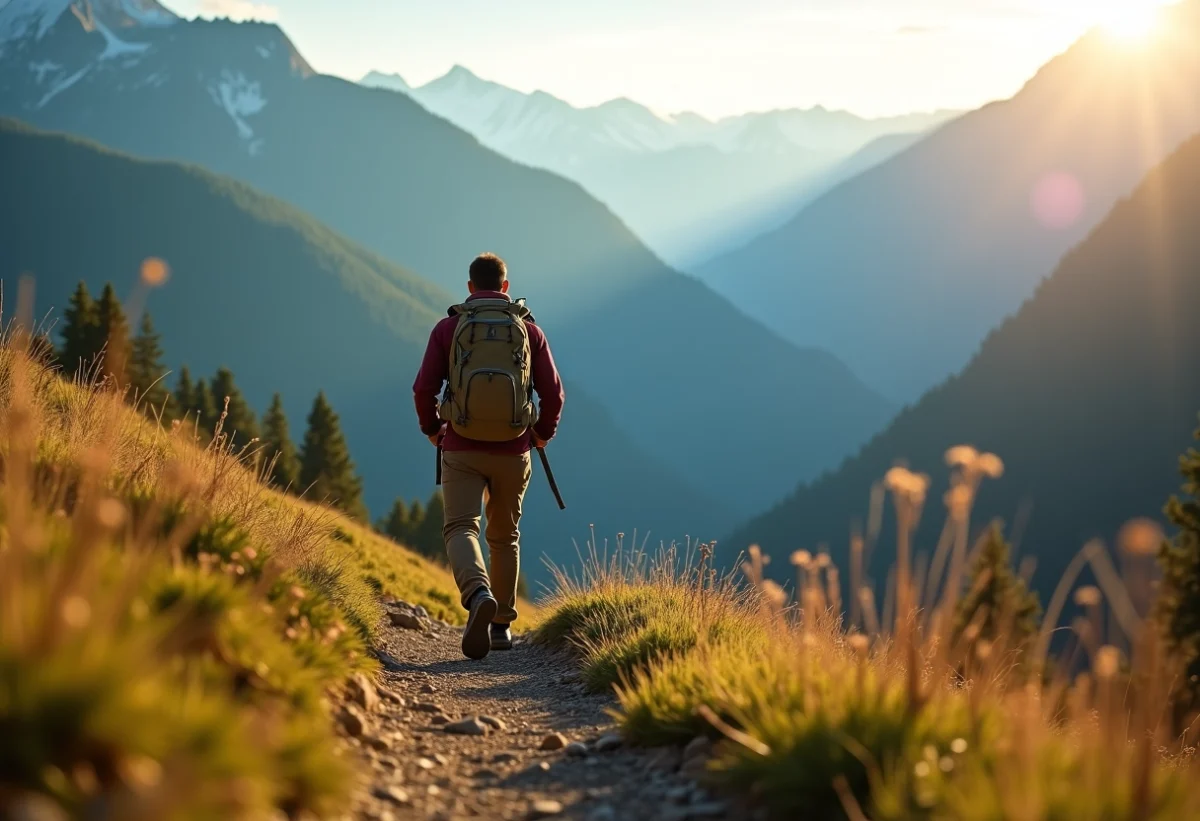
column 20, row 19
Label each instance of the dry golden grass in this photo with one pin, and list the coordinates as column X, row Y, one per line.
column 171, row 628
column 889, row 713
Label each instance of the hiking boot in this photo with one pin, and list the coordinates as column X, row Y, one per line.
column 475, row 641
column 501, row 637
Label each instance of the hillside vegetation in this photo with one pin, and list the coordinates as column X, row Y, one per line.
column 1090, row 391
column 939, row 703
column 172, row 629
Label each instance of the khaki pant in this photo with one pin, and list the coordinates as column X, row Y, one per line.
column 468, row 477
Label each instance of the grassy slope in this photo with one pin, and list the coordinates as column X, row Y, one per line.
column 172, row 628
column 809, row 720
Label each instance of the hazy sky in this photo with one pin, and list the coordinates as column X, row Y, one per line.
column 715, row 57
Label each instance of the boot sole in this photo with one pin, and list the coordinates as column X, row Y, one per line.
column 477, row 640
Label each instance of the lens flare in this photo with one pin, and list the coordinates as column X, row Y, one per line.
column 1058, row 201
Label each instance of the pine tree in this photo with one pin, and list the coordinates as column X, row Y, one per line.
column 240, row 425
column 427, row 535
column 1012, row 609
column 113, row 334
column 397, row 525
column 416, row 514
column 185, row 395
column 278, row 446
column 204, row 411
column 1178, row 604
column 80, row 332
column 326, row 469
column 146, row 370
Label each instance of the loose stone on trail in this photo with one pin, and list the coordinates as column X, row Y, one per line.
column 468, row 726
column 554, row 741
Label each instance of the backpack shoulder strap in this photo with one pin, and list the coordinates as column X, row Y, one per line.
column 516, row 308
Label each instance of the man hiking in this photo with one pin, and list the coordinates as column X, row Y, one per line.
column 492, row 358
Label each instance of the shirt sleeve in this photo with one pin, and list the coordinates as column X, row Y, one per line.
column 548, row 385
column 435, row 370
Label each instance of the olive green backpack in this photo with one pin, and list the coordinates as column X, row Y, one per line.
column 489, row 397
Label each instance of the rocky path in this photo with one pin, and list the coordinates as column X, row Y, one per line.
column 514, row 736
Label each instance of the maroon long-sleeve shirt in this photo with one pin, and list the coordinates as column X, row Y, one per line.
column 435, row 370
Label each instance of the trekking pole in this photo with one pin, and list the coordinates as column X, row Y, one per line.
column 550, row 477
column 439, row 461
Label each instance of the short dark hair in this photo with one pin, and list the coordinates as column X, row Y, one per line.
column 488, row 272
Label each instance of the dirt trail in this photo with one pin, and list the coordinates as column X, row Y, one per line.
column 414, row 769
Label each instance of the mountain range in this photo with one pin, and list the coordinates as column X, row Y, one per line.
column 294, row 307
column 689, row 186
column 653, row 346
column 1089, row 394
column 902, row 270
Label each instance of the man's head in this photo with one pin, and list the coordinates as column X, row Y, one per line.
column 488, row 273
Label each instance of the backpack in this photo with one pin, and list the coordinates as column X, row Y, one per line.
column 489, row 396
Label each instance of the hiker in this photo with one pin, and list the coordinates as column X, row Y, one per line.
column 492, row 358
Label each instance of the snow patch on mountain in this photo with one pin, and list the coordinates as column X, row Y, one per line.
column 114, row 45
column 148, row 13
column 18, row 18
column 63, row 85
column 241, row 98
column 41, row 69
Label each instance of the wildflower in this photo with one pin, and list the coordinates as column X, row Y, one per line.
column 297, row 592
column 858, row 643
column 1088, row 596
column 946, row 764
column 961, row 456
column 1141, row 537
column 922, row 769
column 823, row 560
column 250, row 554
column 775, row 594
column 990, row 465
column 801, row 558
column 906, row 484
column 958, row 746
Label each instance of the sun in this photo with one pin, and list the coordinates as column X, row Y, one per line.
column 1131, row 20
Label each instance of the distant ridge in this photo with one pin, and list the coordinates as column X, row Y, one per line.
column 687, row 185
column 1089, row 394
column 902, row 270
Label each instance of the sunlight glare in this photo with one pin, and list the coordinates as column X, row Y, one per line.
column 1131, row 20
